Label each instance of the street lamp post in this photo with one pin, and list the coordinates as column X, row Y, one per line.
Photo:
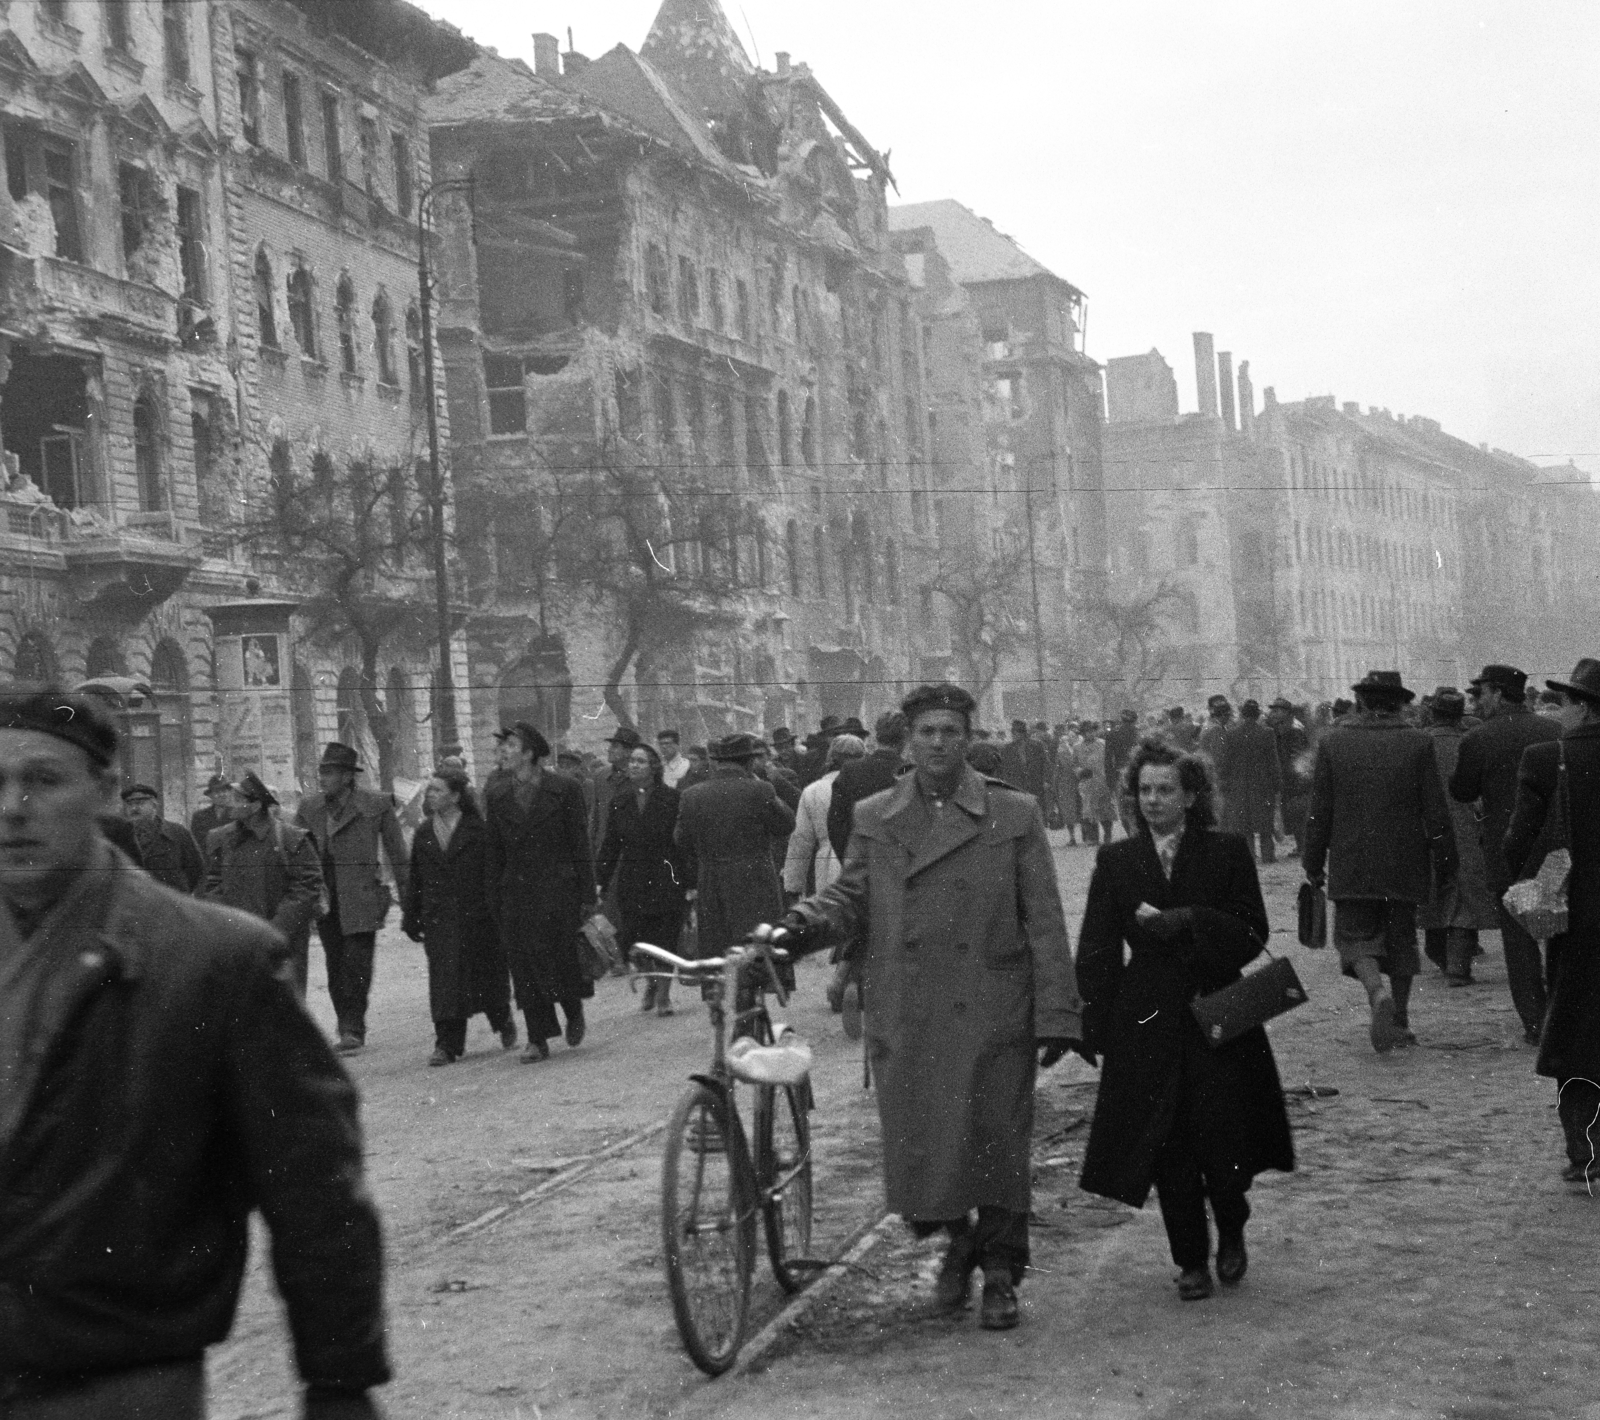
column 446, row 705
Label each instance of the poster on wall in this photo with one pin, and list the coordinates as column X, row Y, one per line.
column 257, row 731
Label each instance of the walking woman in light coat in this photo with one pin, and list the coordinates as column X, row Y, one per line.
column 809, row 848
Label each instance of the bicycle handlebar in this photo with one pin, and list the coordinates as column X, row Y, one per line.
column 706, row 965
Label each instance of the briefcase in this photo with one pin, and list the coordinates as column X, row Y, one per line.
column 1313, row 914
column 1251, row 1001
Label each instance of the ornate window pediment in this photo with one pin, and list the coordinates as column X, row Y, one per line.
column 140, row 121
column 76, row 85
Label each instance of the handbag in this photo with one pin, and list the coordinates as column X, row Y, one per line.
column 597, row 947
column 1252, row 1000
column 1312, row 906
column 1539, row 903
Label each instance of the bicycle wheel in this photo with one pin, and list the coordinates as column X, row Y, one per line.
column 707, row 1230
column 783, row 1174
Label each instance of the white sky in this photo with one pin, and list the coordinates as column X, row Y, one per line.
column 1392, row 203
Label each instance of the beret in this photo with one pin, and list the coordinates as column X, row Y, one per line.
column 81, row 720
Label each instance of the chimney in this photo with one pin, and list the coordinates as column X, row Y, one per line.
column 573, row 63
column 1205, row 372
column 1269, row 398
column 782, row 56
column 1225, row 384
column 1247, row 402
column 547, row 56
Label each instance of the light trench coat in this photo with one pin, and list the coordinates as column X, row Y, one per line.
column 966, row 964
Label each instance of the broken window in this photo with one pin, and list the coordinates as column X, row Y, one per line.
column 714, row 302
column 656, row 280
column 294, row 118
column 808, row 433
column 249, row 78
column 266, row 322
column 47, row 167
column 137, row 200
column 118, row 35
column 383, row 338
column 819, row 548
column 147, row 455
column 755, row 444
column 791, row 550
column 300, row 312
column 785, row 431
column 742, row 309
column 666, row 413
column 508, row 397
column 332, row 152
column 44, row 415
column 175, row 34
column 209, row 482
column 414, row 370
column 688, row 292
column 402, row 174
column 344, row 305
column 696, row 411
column 368, row 139
column 191, row 246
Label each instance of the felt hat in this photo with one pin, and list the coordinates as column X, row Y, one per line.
column 853, row 726
column 1585, row 681
column 1502, row 678
column 139, row 791
column 217, row 783
column 735, row 747
column 783, row 735
column 626, row 735
column 340, row 756
column 1384, row 683
column 1281, row 703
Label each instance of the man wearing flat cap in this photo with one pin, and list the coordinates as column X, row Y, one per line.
column 168, row 849
column 1379, row 834
column 949, row 889
column 215, row 812
column 1486, row 774
column 267, row 868
column 728, row 828
column 347, row 824
column 158, row 1082
column 1569, row 1045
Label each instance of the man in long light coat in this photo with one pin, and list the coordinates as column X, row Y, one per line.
column 949, row 886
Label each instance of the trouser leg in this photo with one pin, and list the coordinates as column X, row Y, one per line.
column 1091, row 830
column 1001, row 1242
column 1401, row 986
column 1435, row 946
column 358, row 952
column 450, row 1034
column 1524, row 970
column 1461, row 943
column 1180, row 1189
column 1269, row 847
column 1578, row 1103
column 333, row 948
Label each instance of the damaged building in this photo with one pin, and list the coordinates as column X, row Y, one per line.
column 689, row 432
column 170, row 168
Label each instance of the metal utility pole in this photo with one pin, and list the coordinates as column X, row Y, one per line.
column 446, row 707
column 1033, row 574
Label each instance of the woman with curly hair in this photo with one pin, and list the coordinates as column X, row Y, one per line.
column 1195, row 1121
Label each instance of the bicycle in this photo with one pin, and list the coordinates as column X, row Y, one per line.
column 712, row 1183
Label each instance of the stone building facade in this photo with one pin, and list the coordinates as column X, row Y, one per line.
column 145, row 163
column 689, row 428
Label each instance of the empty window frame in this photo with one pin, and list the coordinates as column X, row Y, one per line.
column 403, row 180
column 414, row 371
column 688, row 292
column 147, row 455
column 508, row 396
column 119, row 34
column 294, row 118
column 657, row 283
column 367, row 136
column 248, row 74
column 266, row 320
column 47, row 168
column 332, row 151
column 383, row 338
column 175, row 38
column 741, row 293
column 301, row 318
column 192, row 246
column 136, row 199
column 344, row 305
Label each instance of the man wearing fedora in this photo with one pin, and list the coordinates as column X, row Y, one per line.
column 1380, row 826
column 1486, row 774
column 1569, row 1048
column 727, row 827
column 611, row 781
column 347, row 824
column 267, row 868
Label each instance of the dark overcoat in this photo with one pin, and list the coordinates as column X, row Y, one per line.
column 725, row 829
column 858, row 779
column 1251, row 776
column 1570, row 1042
column 446, row 904
column 639, row 851
column 1486, row 772
column 965, row 964
column 1136, row 1014
column 540, row 881
column 1467, row 901
column 1378, row 818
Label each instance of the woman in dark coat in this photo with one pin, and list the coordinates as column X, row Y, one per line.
column 650, row 875
column 1196, row 1122
column 540, row 885
column 446, row 908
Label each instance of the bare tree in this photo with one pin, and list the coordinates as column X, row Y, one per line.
column 349, row 539
column 989, row 611
column 1119, row 643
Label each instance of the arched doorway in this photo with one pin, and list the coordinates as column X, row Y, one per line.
column 35, row 659
column 104, row 657
column 538, row 689
column 169, row 684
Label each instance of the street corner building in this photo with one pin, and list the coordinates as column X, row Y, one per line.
column 210, row 375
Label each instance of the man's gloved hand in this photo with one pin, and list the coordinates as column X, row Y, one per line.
column 325, row 1403
column 1053, row 1047
column 1167, row 925
column 795, row 932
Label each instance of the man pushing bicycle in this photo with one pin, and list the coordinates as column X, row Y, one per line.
column 949, row 887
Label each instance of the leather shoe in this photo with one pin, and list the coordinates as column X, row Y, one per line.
column 508, row 1036
column 999, row 1303
column 575, row 1027
column 349, row 1043
column 1231, row 1258
column 536, row 1050
column 441, row 1057
column 953, row 1289
column 1195, row 1284
column 1579, row 1173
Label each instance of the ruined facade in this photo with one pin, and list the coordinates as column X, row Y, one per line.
column 1040, row 463
column 147, row 163
column 688, row 424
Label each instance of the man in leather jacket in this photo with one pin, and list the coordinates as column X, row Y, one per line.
column 158, row 1083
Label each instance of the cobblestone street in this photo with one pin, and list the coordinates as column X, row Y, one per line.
column 1424, row 1261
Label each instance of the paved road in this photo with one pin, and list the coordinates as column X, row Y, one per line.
column 1423, row 1261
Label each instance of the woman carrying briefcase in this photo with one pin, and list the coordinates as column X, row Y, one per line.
column 1198, row 1122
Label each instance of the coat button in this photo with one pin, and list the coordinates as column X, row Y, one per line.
column 912, row 943
column 960, row 1008
column 961, row 946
